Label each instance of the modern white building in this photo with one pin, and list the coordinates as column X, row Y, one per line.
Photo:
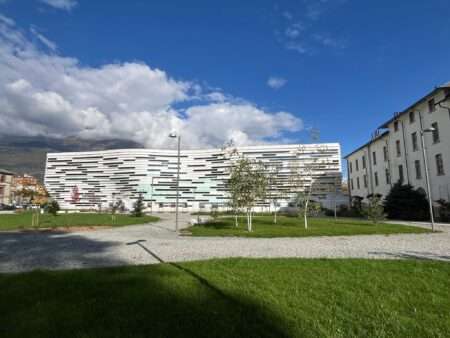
column 86, row 180
column 395, row 151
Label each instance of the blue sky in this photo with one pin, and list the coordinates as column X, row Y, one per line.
column 341, row 66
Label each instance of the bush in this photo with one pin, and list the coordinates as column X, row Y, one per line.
column 53, row 207
column 374, row 209
column 444, row 210
column 406, row 203
column 357, row 206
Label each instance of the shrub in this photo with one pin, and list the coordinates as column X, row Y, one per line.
column 406, row 203
column 53, row 207
column 138, row 207
column 357, row 206
column 374, row 208
column 444, row 210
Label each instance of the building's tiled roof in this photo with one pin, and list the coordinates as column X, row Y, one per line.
column 396, row 116
column 367, row 143
column 386, row 124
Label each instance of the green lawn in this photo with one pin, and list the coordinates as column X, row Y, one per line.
column 232, row 298
column 23, row 220
column 294, row 227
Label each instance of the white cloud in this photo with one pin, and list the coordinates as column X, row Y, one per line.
column 300, row 32
column 46, row 94
column 66, row 5
column 6, row 20
column 293, row 31
column 276, row 82
column 43, row 39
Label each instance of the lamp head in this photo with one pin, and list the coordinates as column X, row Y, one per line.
column 429, row 130
column 173, row 135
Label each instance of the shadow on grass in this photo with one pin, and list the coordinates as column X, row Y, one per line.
column 163, row 300
column 24, row 251
column 412, row 255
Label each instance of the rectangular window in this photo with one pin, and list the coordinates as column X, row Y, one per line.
column 365, row 181
column 364, row 162
column 412, row 117
column 374, row 155
column 431, row 106
column 376, row 179
column 400, row 173
column 435, row 132
column 357, row 183
column 351, row 167
column 415, row 144
column 439, row 165
column 351, row 182
column 385, row 153
column 388, row 176
column 395, row 125
column 398, row 148
column 418, row 169
column 357, row 165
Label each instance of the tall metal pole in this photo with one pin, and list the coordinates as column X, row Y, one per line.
column 427, row 179
column 178, row 184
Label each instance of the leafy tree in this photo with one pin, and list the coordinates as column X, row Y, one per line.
column 138, row 207
column 53, row 207
column 406, row 203
column 273, row 185
column 247, row 184
column 313, row 208
column 231, row 153
column 302, row 184
column 374, row 208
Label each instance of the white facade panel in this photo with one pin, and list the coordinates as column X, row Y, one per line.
column 102, row 177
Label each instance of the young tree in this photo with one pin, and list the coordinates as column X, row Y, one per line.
column 53, row 207
column 138, row 206
column 231, row 154
column 273, row 188
column 247, row 184
column 234, row 201
column 302, row 183
column 374, row 209
column 75, row 197
column 117, row 205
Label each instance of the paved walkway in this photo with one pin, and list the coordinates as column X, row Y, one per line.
column 150, row 243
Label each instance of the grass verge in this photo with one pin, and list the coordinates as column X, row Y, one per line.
column 23, row 220
column 232, row 298
column 263, row 226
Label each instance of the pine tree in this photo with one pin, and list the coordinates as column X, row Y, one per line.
column 139, row 207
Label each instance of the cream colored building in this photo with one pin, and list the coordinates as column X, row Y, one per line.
column 395, row 151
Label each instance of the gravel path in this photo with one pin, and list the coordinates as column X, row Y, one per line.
column 152, row 243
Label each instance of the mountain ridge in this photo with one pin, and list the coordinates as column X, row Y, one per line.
column 27, row 154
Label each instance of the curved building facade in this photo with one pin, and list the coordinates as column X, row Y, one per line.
column 87, row 180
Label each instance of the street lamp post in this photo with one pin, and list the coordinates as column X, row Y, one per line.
column 174, row 135
column 427, row 178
